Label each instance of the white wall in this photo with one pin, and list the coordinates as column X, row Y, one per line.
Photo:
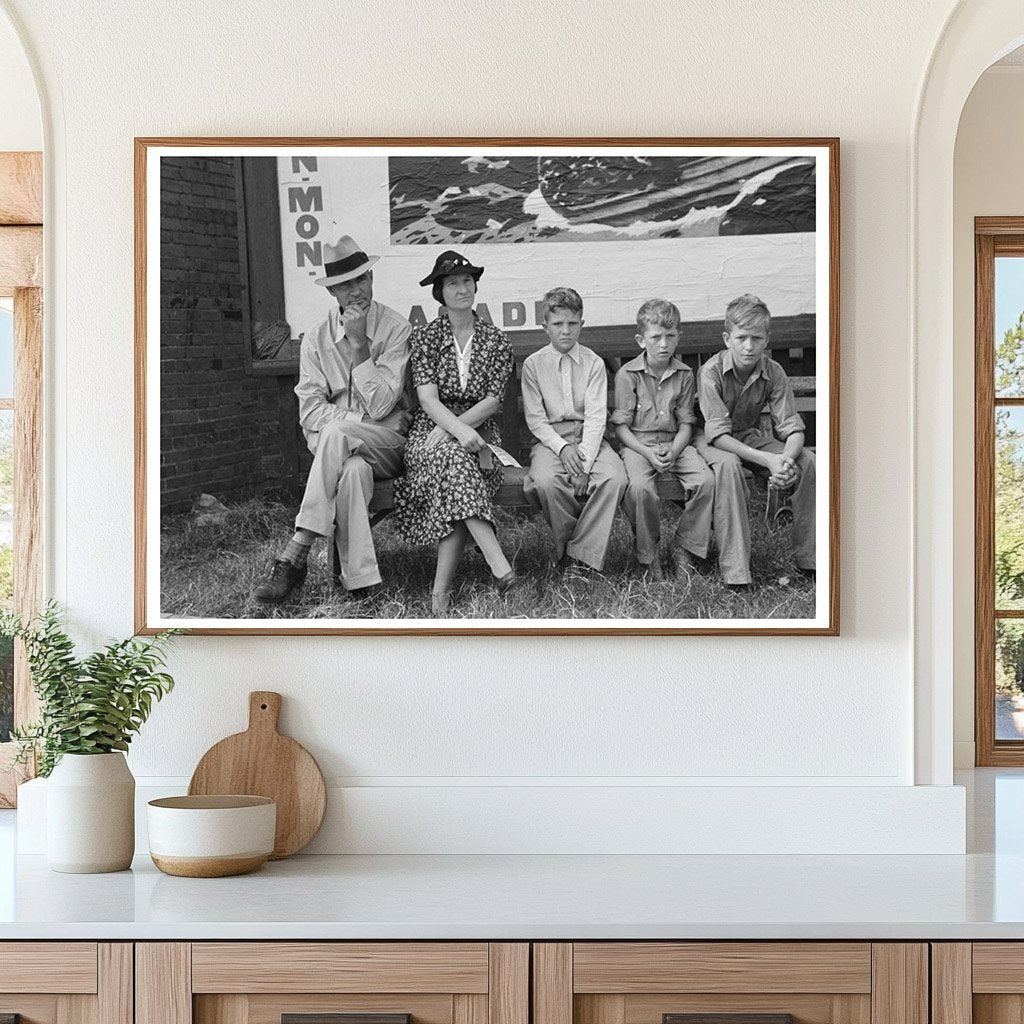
column 987, row 182
column 21, row 127
column 427, row 716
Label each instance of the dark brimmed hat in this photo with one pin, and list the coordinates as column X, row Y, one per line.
column 344, row 261
column 451, row 262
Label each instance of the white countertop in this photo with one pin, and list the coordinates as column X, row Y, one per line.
column 977, row 896
column 517, row 897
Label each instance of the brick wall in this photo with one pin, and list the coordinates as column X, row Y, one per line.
column 220, row 426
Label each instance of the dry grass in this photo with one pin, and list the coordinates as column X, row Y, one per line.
column 210, row 572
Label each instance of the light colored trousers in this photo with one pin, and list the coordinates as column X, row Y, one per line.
column 347, row 456
column 581, row 527
column 642, row 505
column 732, row 527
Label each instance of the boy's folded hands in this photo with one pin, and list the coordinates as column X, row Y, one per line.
column 659, row 458
column 783, row 471
column 572, row 461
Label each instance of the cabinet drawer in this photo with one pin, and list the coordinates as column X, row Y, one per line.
column 998, row 967
column 66, row 982
column 340, row 967
column 634, row 967
column 729, row 983
column 332, row 983
column 66, row 967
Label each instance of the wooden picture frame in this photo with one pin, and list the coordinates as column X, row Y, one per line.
column 225, row 250
column 21, row 279
column 993, row 237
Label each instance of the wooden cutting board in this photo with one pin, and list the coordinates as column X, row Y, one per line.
column 262, row 762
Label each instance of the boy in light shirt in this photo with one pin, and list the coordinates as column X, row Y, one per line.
column 575, row 476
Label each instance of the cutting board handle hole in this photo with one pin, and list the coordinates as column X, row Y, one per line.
column 263, row 707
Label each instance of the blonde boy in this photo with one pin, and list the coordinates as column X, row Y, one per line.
column 575, row 476
column 735, row 386
column 654, row 418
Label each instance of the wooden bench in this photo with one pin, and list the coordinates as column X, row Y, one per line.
column 510, row 493
column 792, row 345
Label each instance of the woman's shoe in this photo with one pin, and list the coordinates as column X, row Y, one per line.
column 504, row 584
column 440, row 601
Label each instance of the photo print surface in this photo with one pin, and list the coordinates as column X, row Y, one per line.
column 472, row 387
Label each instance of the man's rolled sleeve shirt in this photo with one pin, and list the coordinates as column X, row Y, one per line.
column 331, row 384
column 733, row 407
column 561, row 387
column 648, row 404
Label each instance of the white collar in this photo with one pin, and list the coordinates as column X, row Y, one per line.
column 574, row 353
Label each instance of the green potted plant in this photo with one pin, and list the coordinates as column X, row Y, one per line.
column 89, row 709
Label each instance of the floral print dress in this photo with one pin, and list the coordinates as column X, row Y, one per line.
column 444, row 484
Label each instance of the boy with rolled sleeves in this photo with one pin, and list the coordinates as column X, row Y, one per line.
column 575, row 476
column 735, row 386
column 654, row 419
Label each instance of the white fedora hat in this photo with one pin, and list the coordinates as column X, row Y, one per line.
column 343, row 261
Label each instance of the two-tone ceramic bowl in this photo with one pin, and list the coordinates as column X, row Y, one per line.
column 211, row 836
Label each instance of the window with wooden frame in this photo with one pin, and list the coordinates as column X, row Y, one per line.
column 999, row 490
column 21, row 363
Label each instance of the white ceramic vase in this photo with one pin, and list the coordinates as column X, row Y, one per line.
column 90, row 814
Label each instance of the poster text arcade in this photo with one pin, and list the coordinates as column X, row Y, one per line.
column 305, row 202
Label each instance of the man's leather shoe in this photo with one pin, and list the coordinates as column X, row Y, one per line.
column 283, row 579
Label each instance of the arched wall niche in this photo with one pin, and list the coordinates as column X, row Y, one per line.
column 986, row 183
column 976, row 34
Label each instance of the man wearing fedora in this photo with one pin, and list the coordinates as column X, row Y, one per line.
column 354, row 411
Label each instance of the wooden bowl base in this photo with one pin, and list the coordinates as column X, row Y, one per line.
column 209, row 867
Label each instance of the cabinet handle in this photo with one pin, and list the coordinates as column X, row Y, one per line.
column 337, row 1018
column 727, row 1018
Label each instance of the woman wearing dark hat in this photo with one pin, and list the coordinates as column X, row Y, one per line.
column 460, row 366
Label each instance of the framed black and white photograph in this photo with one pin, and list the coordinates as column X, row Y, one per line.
column 487, row 386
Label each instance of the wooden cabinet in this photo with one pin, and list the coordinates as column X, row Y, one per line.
column 66, row 982
column 262, row 982
column 494, row 983
column 654, row 982
column 978, row 983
